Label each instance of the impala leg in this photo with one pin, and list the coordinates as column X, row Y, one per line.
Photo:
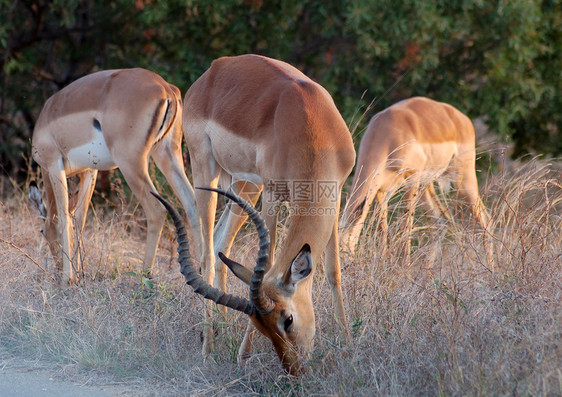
column 228, row 226
column 440, row 214
column 207, row 204
column 136, row 175
column 57, row 177
column 270, row 213
column 434, row 204
column 356, row 216
column 168, row 157
column 80, row 210
column 206, row 173
column 382, row 223
column 468, row 190
column 333, row 274
column 51, row 221
column 245, row 349
column 410, row 198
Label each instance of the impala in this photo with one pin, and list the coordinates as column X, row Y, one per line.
column 108, row 119
column 259, row 123
column 417, row 141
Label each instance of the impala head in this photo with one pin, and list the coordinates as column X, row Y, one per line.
column 283, row 312
column 277, row 308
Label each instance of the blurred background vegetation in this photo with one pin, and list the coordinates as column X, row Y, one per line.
column 499, row 60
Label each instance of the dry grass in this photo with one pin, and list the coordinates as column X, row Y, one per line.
column 447, row 326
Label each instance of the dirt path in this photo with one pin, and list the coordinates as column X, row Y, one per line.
column 14, row 383
column 20, row 377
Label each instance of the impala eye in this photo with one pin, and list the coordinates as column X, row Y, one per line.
column 288, row 322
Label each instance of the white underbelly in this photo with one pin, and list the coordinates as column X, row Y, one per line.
column 91, row 155
column 439, row 155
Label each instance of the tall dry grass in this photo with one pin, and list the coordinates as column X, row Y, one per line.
column 448, row 324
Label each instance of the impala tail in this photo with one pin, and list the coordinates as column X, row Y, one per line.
column 34, row 195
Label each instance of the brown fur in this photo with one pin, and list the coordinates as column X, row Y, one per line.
column 139, row 116
column 418, row 140
column 263, row 122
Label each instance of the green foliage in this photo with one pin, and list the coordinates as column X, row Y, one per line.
column 145, row 281
column 499, row 59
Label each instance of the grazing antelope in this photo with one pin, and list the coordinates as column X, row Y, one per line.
column 419, row 140
column 108, row 119
column 259, row 122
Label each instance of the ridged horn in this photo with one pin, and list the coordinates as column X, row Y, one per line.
column 263, row 304
column 191, row 275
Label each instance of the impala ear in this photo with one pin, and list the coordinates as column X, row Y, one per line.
column 301, row 268
column 239, row 271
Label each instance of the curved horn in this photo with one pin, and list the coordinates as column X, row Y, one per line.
column 263, row 304
column 191, row 275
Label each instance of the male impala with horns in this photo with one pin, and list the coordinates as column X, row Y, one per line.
column 251, row 121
